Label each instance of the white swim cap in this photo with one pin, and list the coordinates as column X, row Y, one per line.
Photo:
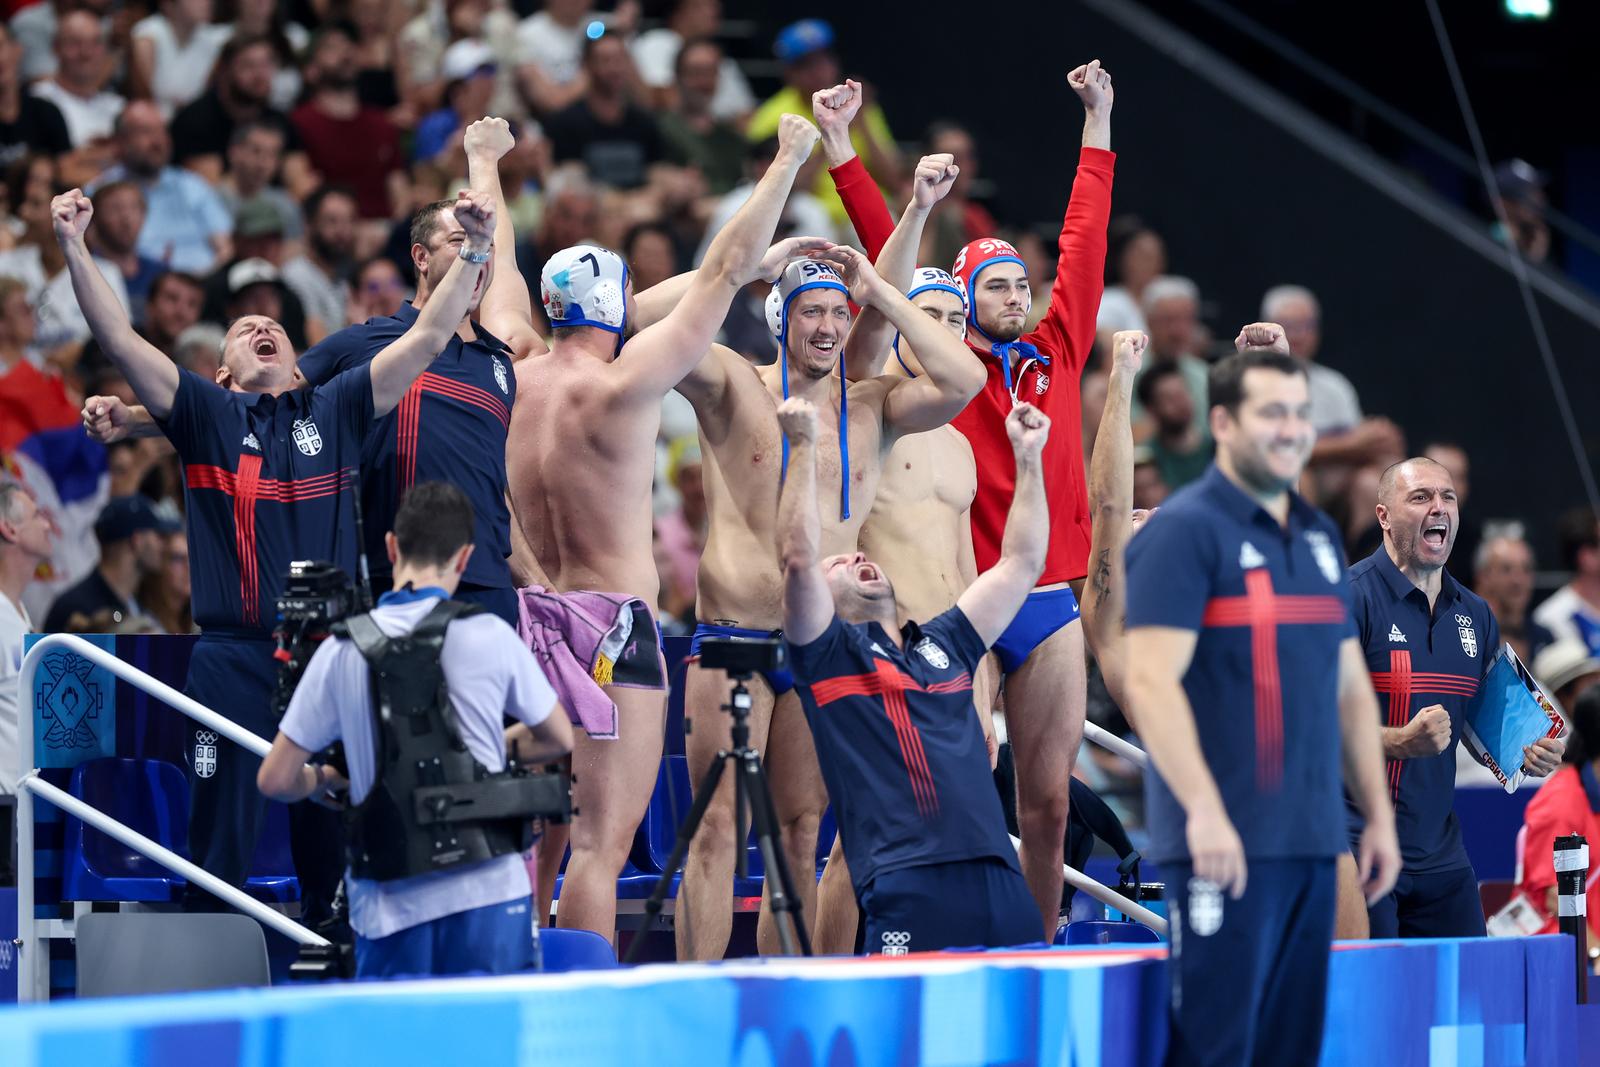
column 797, row 277
column 585, row 285
column 927, row 278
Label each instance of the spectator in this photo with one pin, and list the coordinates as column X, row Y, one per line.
column 255, row 287
column 174, row 306
column 1569, row 803
column 469, row 71
column 255, row 154
column 379, row 291
column 1522, row 199
column 346, row 142
column 241, row 92
column 78, row 88
column 615, row 139
column 1503, row 576
column 1172, row 311
column 958, row 219
column 34, row 27
column 60, row 327
column 681, row 532
column 1180, row 453
column 173, row 52
column 1573, row 611
column 24, row 548
column 522, row 173
column 132, row 537
column 1149, row 491
column 27, row 122
column 198, row 349
column 651, row 255
column 269, row 19
column 372, row 21
column 658, row 54
column 119, row 214
column 693, row 134
column 441, row 23
column 1135, row 257
column 550, row 54
column 186, row 225
column 17, row 325
column 165, row 594
column 320, row 275
column 1566, row 670
column 803, row 215
column 805, row 49
column 1453, row 458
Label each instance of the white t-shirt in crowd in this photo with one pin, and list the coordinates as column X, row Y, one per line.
column 59, row 319
column 88, row 118
column 655, row 53
column 182, row 71
column 489, row 673
column 555, row 49
column 1335, row 407
column 1119, row 311
column 14, row 622
column 1570, row 618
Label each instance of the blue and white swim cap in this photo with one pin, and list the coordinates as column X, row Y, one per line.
column 585, row 285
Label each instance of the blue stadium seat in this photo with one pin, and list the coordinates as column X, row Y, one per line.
column 149, row 796
column 1099, row 932
column 272, row 878
column 575, row 950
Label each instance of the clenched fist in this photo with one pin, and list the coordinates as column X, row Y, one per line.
column 1262, row 337
column 475, row 212
column 106, row 419
column 1127, row 349
column 835, row 108
column 1427, row 734
column 935, row 176
column 70, row 214
column 1028, row 428
column 798, row 419
column 796, row 138
column 1092, row 83
column 488, row 138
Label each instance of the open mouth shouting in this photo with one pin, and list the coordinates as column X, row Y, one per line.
column 1436, row 535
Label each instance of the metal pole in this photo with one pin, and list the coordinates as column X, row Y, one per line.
column 1108, row 896
column 1572, row 875
column 1110, row 741
column 170, row 859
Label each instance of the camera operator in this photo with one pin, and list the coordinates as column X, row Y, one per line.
column 890, row 709
column 472, row 915
column 269, row 477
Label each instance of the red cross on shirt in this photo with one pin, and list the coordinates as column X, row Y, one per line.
column 1400, row 685
column 1263, row 612
column 891, row 683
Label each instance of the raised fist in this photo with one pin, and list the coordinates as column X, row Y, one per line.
column 70, row 214
column 105, row 419
column 1262, row 337
column 1028, row 428
column 1127, row 349
column 796, row 137
column 798, row 419
column 488, row 138
column 835, row 108
column 475, row 212
column 1428, row 733
column 1092, row 83
column 934, row 178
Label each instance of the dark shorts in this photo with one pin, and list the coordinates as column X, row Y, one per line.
column 1041, row 615
column 781, row 681
column 493, row 939
column 982, row 903
column 1249, row 977
column 1442, row 904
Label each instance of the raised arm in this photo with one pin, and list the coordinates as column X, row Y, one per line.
column 153, row 376
column 657, row 302
column 397, row 366
column 1158, row 658
column 1069, row 323
column 506, row 309
column 107, row 420
column 1111, row 511
column 954, row 375
column 835, row 109
column 807, row 603
column 871, row 337
column 993, row 600
column 661, row 355
column 1378, row 854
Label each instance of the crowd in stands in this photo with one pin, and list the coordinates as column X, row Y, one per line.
column 265, row 156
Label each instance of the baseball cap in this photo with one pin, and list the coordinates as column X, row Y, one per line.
column 124, row 516
column 257, row 217
column 799, row 39
column 1562, row 663
column 465, row 59
column 247, row 272
column 1520, row 180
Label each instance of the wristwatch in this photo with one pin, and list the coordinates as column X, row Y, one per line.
column 474, row 257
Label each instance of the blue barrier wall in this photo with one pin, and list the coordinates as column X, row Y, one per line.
column 1504, row 1003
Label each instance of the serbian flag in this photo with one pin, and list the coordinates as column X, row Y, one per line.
column 44, row 446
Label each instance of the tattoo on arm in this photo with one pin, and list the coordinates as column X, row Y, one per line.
column 1102, row 573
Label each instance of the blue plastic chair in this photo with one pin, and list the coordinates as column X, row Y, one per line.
column 669, row 806
column 575, row 950
column 272, row 875
column 1100, row 932
column 149, row 796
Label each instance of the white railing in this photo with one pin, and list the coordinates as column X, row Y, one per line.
column 1112, row 743
column 34, row 934
column 1107, row 896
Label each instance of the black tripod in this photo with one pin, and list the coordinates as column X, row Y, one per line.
column 749, row 788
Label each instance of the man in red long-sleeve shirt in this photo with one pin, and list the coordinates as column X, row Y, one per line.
column 1042, row 654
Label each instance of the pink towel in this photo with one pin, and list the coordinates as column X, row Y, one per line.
column 585, row 640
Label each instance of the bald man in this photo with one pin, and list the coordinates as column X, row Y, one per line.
column 1428, row 642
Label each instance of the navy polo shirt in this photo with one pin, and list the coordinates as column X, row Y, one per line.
column 900, row 746
column 1419, row 658
column 1270, row 606
column 450, row 427
column 267, row 480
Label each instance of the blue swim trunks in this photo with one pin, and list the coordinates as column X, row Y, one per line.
column 1042, row 614
column 781, row 681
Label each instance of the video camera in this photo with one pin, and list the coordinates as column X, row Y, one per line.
column 315, row 596
column 743, row 657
